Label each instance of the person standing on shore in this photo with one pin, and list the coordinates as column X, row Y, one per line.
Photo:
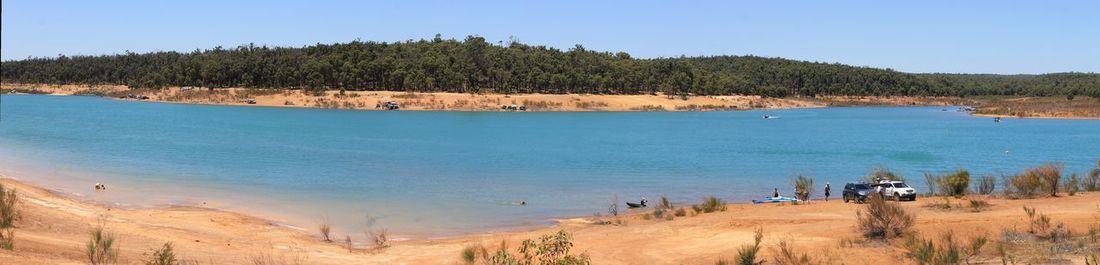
column 827, row 190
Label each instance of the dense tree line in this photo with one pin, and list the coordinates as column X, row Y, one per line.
column 475, row 65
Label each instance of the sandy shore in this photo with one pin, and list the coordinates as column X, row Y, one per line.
column 55, row 228
column 438, row 101
column 991, row 106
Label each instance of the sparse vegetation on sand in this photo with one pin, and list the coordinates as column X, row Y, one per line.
column 803, row 187
column 1032, row 181
column 163, row 256
column 101, row 247
column 710, row 204
column 748, row 254
column 9, row 214
column 550, row 249
column 948, row 251
column 882, row 220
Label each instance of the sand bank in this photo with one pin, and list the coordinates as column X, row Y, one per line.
column 54, row 229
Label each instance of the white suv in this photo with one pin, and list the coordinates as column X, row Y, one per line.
column 896, row 190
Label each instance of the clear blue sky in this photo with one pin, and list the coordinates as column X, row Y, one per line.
column 915, row 36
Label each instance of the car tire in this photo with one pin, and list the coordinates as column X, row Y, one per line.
column 897, row 197
column 845, row 199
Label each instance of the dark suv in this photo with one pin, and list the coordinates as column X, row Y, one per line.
column 856, row 192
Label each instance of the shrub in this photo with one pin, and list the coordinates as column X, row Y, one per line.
column 1037, row 223
column 326, row 230
column 955, row 184
column 881, row 220
column 550, row 249
column 680, row 212
column 803, row 187
column 987, row 184
column 977, row 205
column 883, row 173
column 163, row 256
column 710, row 204
column 101, row 248
column 1072, row 185
column 932, row 181
column 948, row 251
column 347, row 243
column 747, row 255
column 9, row 213
column 664, row 204
column 1092, row 182
column 1023, row 185
column 376, row 235
column 787, row 255
column 1049, row 175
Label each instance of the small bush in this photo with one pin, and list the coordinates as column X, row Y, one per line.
column 1023, row 185
column 955, row 184
column 680, row 212
column 883, row 173
column 932, row 181
column 987, row 184
column 550, row 249
column 978, row 205
column 9, row 214
column 376, row 235
column 948, row 251
column 1049, row 175
column 803, row 187
column 882, row 220
column 326, row 230
column 348, row 244
column 747, row 254
column 1072, row 185
column 787, row 255
column 1038, row 223
column 1092, row 182
column 163, row 256
column 710, row 204
column 101, row 248
column 664, row 204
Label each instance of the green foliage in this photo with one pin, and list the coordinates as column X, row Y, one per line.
column 955, row 184
column 883, row 173
column 1072, row 185
column 803, row 187
column 710, row 204
column 474, row 65
column 163, row 256
column 101, row 248
column 882, row 220
column 948, row 252
column 551, row 249
column 9, row 214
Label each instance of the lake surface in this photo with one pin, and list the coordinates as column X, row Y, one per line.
column 442, row 173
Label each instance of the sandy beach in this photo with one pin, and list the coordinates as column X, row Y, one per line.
column 54, row 230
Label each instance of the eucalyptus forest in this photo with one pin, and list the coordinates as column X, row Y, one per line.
column 474, row 65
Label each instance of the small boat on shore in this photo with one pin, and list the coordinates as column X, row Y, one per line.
column 775, row 200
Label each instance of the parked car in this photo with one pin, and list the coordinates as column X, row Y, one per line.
column 896, row 190
column 856, row 192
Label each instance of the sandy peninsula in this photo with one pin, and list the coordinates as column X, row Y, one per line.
column 54, row 230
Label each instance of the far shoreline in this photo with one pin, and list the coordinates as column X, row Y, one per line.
column 985, row 106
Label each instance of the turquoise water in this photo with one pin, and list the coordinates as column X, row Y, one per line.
column 439, row 173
